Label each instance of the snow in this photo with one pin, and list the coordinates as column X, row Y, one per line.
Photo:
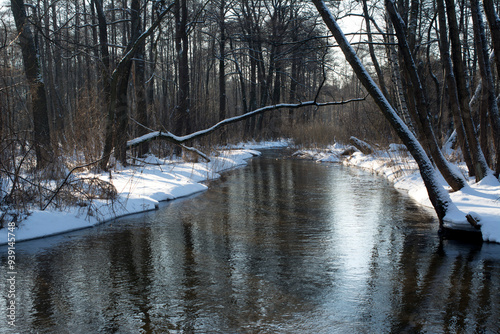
column 481, row 200
column 140, row 189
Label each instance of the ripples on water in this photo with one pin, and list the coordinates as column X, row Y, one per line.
column 280, row 246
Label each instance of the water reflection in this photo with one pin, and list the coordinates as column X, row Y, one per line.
column 281, row 246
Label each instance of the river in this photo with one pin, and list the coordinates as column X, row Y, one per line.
column 279, row 246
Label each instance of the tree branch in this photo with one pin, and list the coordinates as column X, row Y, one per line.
column 168, row 136
column 66, row 180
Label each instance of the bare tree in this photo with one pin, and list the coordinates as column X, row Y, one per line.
column 182, row 108
column 494, row 23
column 488, row 86
column 478, row 159
column 452, row 86
column 116, row 136
column 33, row 71
column 439, row 198
column 427, row 137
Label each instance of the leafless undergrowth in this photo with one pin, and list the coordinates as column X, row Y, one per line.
column 24, row 188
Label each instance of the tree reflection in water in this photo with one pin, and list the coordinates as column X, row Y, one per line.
column 279, row 246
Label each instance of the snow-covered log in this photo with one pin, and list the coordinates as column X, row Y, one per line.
column 363, row 146
column 350, row 150
column 168, row 136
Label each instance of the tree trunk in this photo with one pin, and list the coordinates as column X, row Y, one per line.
column 139, row 79
column 380, row 74
column 33, row 71
column 121, row 106
column 397, row 78
column 222, row 67
column 439, row 198
column 494, row 23
column 106, row 80
column 122, row 115
column 182, row 124
column 117, row 97
column 452, row 86
column 478, row 160
column 455, row 180
column 488, row 86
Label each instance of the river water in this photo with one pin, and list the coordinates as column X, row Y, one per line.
column 280, row 246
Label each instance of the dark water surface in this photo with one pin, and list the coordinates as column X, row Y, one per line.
column 281, row 246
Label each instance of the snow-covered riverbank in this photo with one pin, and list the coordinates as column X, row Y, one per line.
column 481, row 200
column 139, row 189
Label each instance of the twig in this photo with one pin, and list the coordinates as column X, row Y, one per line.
column 26, row 180
column 16, row 175
column 66, row 180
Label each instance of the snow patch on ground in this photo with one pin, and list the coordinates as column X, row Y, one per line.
column 481, row 200
column 139, row 189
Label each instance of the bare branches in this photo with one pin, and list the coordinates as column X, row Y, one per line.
column 55, row 193
column 168, row 136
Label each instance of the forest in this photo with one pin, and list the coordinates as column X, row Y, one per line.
column 81, row 79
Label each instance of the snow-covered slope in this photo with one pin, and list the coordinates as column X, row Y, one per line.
column 139, row 189
column 481, row 200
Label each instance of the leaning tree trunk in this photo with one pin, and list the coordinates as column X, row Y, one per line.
column 33, row 71
column 438, row 196
column 494, row 23
column 478, row 159
column 371, row 48
column 452, row 86
column 488, row 86
column 455, row 180
column 116, row 86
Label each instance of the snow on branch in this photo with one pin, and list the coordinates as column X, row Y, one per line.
column 166, row 135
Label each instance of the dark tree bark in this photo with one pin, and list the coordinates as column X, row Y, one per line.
column 117, row 97
column 121, row 115
column 494, row 23
column 182, row 124
column 122, row 108
column 139, row 79
column 376, row 65
column 412, row 26
column 222, row 66
column 33, row 71
column 488, row 86
column 294, row 66
column 455, row 180
column 478, row 160
column 105, row 79
column 103, row 45
column 452, row 86
column 242, row 79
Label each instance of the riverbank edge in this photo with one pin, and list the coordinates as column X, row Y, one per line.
column 141, row 192
column 398, row 167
